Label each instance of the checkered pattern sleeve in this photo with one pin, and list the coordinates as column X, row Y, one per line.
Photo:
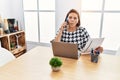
column 85, row 37
column 80, row 37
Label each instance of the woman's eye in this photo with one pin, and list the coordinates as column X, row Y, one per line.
column 70, row 17
column 75, row 18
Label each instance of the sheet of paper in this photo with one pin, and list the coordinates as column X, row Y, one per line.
column 92, row 43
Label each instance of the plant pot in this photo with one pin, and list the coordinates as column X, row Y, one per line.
column 55, row 69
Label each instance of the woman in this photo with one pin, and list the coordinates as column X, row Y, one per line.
column 70, row 31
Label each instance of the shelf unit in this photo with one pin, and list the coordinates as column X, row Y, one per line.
column 14, row 42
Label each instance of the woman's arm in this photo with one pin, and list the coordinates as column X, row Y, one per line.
column 58, row 36
column 86, row 37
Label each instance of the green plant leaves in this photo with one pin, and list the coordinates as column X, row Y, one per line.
column 55, row 62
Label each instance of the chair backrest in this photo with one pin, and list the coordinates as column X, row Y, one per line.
column 118, row 51
column 5, row 56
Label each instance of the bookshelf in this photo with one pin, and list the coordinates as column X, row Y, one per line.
column 14, row 42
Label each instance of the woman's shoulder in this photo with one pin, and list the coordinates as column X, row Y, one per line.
column 81, row 28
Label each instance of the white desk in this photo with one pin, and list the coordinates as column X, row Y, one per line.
column 34, row 65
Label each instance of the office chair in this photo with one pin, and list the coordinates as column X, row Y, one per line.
column 118, row 51
column 5, row 56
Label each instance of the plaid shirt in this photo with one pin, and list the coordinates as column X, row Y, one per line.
column 80, row 37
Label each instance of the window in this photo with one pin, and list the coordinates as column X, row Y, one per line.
column 39, row 20
column 111, row 30
column 112, row 5
column 101, row 19
column 31, row 26
column 47, row 31
column 91, row 21
column 27, row 4
column 92, row 4
column 47, row 4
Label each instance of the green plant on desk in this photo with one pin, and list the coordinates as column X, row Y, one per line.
column 55, row 63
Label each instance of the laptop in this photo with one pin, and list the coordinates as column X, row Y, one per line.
column 63, row 49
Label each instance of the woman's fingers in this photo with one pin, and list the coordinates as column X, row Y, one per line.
column 99, row 49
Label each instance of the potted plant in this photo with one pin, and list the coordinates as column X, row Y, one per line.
column 55, row 63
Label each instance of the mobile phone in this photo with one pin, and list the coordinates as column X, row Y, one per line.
column 66, row 20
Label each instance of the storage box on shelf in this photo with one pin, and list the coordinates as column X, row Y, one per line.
column 14, row 42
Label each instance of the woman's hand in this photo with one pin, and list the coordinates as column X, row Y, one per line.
column 63, row 26
column 99, row 49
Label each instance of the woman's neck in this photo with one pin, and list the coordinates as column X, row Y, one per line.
column 72, row 28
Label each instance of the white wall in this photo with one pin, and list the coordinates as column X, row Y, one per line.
column 62, row 8
column 17, row 12
column 12, row 9
column 5, row 8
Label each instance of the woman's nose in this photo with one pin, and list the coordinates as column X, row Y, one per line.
column 72, row 19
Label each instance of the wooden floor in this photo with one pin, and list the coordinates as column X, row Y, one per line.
column 31, row 45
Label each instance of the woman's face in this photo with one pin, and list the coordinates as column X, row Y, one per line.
column 73, row 19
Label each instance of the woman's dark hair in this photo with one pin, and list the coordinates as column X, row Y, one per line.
column 74, row 11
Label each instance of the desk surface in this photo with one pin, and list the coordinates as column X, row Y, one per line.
column 34, row 65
